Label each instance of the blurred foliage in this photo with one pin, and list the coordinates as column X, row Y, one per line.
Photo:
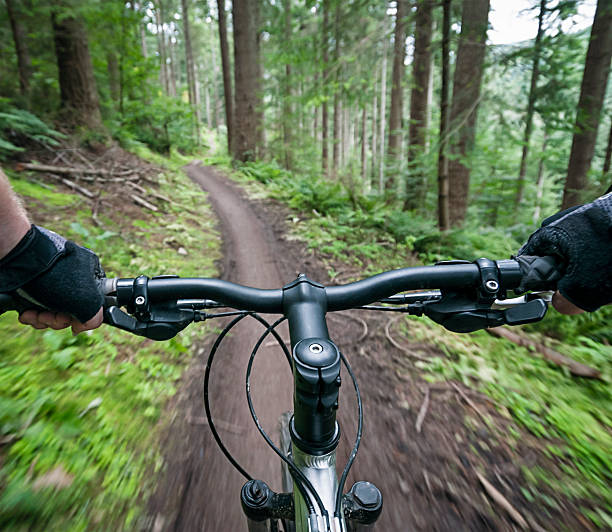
column 19, row 127
column 80, row 416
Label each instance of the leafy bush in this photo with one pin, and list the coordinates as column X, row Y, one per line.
column 161, row 124
column 18, row 126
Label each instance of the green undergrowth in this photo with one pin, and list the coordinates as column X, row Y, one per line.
column 79, row 416
column 572, row 417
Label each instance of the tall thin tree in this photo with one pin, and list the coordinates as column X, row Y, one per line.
column 246, row 82
column 227, row 76
column 397, row 76
column 419, row 95
column 190, row 65
column 24, row 65
column 592, row 91
column 287, row 111
column 535, row 74
column 161, row 47
column 325, row 76
column 443, row 202
column 337, row 111
column 464, row 107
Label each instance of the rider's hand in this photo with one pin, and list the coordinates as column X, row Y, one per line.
column 55, row 274
column 580, row 239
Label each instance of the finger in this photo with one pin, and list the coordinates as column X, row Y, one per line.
column 55, row 320
column 564, row 306
column 93, row 323
column 30, row 317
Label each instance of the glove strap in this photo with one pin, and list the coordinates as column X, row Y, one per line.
column 35, row 253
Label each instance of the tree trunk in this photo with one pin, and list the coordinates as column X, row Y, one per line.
column 143, row 41
column 78, row 91
column 443, row 204
column 227, row 77
column 259, row 105
column 374, row 165
column 363, row 147
column 395, row 113
column 190, row 67
column 245, row 76
column 540, row 181
column 336, row 123
column 161, row 46
column 606, row 165
column 24, row 66
column 421, row 69
column 172, row 72
column 535, row 73
column 287, row 112
column 464, row 107
column 324, row 117
column 383, row 114
column 112, row 66
column 592, row 91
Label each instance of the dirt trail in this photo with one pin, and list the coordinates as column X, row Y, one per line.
column 428, row 478
column 201, row 490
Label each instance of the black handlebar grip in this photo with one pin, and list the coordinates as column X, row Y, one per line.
column 7, row 303
column 539, row 273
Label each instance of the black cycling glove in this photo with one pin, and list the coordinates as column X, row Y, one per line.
column 54, row 273
column 580, row 239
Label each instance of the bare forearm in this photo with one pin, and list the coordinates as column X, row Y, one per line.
column 14, row 222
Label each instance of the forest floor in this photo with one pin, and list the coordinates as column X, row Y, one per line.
column 460, row 471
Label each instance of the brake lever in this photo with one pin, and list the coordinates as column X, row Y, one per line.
column 163, row 323
column 459, row 313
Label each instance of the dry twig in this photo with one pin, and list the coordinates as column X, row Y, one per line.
column 422, row 412
column 502, row 501
column 143, row 203
column 398, row 346
column 69, row 169
column 77, row 188
column 468, row 401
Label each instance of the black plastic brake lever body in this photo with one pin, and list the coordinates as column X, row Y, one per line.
column 162, row 323
column 470, row 310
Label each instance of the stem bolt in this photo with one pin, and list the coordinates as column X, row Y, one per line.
column 492, row 285
column 315, row 348
column 139, row 300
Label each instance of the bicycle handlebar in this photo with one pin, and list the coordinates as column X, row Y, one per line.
column 468, row 291
column 442, row 276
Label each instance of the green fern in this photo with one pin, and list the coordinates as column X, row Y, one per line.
column 19, row 124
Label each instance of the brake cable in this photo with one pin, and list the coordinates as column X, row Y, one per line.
column 301, row 479
column 351, row 459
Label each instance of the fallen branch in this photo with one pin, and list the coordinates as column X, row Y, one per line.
column 422, row 413
column 576, row 368
column 77, row 188
column 502, row 501
column 400, row 347
column 468, row 401
column 69, row 169
column 136, row 187
column 143, row 203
